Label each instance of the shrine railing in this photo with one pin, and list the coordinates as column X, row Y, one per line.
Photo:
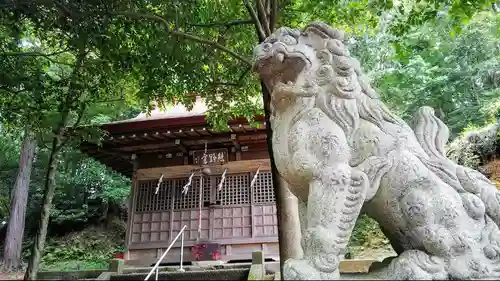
column 155, row 268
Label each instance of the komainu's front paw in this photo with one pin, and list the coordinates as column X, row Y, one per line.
column 299, row 270
column 303, row 270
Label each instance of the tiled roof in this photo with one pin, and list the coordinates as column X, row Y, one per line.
column 173, row 111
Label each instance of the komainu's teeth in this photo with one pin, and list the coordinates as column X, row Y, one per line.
column 289, row 83
column 280, row 57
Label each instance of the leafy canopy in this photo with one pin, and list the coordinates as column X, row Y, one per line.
column 171, row 48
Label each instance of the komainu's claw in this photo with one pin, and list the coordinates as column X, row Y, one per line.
column 300, row 270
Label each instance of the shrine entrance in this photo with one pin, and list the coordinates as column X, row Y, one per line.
column 234, row 212
column 218, row 184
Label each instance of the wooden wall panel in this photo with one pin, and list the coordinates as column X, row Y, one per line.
column 152, row 160
column 251, row 155
column 186, row 170
column 158, row 159
column 232, row 222
column 265, row 220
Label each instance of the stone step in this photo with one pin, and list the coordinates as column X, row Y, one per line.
column 240, row 274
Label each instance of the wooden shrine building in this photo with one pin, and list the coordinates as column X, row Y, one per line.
column 174, row 151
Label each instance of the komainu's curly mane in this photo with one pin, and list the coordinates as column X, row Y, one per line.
column 347, row 96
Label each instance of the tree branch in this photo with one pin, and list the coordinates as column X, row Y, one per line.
column 34, row 54
column 109, row 101
column 273, row 15
column 260, row 32
column 43, row 142
column 184, row 35
column 263, row 17
column 223, row 24
column 237, row 83
column 6, row 89
column 38, row 54
column 176, row 27
column 77, row 122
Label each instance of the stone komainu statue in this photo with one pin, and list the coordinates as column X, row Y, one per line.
column 342, row 152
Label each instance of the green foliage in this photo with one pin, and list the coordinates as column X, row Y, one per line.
column 416, row 13
column 355, row 17
column 457, row 75
column 367, row 235
column 84, row 190
column 365, row 230
column 89, row 249
column 74, row 265
column 476, row 146
column 170, row 48
column 84, row 186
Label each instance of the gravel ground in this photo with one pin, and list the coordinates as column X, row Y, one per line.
column 11, row 276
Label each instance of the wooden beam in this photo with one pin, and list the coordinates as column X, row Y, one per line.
column 157, row 136
column 113, row 140
column 94, row 151
column 235, row 142
column 180, row 133
column 186, row 170
column 167, row 124
column 148, row 136
column 242, row 128
column 117, row 165
column 194, row 132
column 206, row 131
column 108, row 139
column 145, row 147
column 179, row 144
column 251, row 138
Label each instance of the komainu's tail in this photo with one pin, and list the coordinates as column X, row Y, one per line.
column 432, row 134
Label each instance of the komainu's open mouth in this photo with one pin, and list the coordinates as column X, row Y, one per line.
column 277, row 60
column 284, row 69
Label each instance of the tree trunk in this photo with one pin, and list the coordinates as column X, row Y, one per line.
column 48, row 194
column 15, row 228
column 50, row 185
column 277, row 186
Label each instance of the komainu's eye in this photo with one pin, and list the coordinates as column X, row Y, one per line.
column 267, row 47
column 271, row 39
column 289, row 40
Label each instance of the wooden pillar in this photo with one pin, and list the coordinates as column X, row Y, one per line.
column 131, row 206
column 290, row 224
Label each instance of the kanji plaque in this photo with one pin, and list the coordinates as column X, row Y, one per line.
column 212, row 157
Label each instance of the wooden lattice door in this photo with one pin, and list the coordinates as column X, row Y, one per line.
column 186, row 209
column 237, row 211
column 151, row 216
column 232, row 217
column 264, row 206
